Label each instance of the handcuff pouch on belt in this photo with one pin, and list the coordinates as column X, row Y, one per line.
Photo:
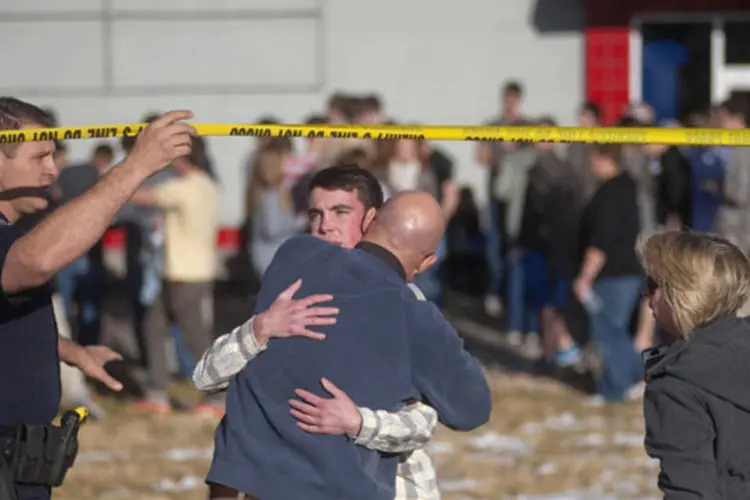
column 37, row 455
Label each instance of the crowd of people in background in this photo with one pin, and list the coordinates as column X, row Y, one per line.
column 551, row 255
column 562, row 224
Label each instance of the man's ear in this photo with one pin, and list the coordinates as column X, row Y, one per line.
column 426, row 263
column 367, row 219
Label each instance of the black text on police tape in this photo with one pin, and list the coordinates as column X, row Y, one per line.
column 13, row 138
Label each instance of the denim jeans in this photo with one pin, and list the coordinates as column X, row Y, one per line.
column 494, row 249
column 82, row 279
column 522, row 315
column 609, row 323
column 150, row 290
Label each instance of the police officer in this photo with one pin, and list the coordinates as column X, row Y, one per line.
column 30, row 347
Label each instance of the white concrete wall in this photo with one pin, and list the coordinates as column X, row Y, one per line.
column 433, row 61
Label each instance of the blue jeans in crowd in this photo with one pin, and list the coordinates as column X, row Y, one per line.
column 494, row 249
column 522, row 303
column 151, row 288
column 617, row 298
column 82, row 278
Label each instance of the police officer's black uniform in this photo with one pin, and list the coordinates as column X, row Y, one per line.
column 30, row 389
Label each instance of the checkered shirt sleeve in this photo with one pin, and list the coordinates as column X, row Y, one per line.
column 226, row 357
column 405, row 430
column 416, row 478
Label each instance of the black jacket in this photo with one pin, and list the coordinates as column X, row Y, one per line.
column 697, row 412
column 550, row 215
column 673, row 188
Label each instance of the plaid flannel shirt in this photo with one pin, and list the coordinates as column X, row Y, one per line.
column 404, row 432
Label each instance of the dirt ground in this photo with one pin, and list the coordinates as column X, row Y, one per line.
column 545, row 441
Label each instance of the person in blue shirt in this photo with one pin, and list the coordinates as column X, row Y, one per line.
column 386, row 348
column 707, row 167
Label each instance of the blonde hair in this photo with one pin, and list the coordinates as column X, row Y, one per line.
column 267, row 174
column 701, row 276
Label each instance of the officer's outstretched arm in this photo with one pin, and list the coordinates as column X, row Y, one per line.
column 70, row 231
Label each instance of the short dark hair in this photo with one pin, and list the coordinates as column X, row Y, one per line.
column 350, row 177
column 197, row 154
column 345, row 104
column 628, row 121
column 735, row 106
column 356, row 156
column 338, row 100
column 547, row 121
column 316, row 119
column 371, row 102
column 104, row 149
column 268, row 120
column 612, row 151
column 15, row 113
column 592, row 108
column 513, row 87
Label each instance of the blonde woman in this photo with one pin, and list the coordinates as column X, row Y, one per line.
column 270, row 207
column 697, row 400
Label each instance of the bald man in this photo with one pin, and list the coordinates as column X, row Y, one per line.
column 386, row 348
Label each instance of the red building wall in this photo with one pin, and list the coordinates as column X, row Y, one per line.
column 607, row 43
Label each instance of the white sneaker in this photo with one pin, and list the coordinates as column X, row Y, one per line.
column 532, row 345
column 596, row 401
column 492, row 306
column 637, row 391
column 514, row 338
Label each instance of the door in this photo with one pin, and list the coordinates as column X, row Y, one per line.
column 731, row 52
column 676, row 68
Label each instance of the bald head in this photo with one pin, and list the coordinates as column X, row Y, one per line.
column 410, row 225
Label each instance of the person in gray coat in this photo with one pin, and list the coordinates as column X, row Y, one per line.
column 734, row 215
column 578, row 153
column 696, row 404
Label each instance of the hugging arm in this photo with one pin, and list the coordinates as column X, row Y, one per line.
column 226, row 357
column 389, row 432
column 406, row 430
column 286, row 317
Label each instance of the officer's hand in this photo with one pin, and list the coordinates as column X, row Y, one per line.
column 91, row 361
column 337, row 415
column 162, row 141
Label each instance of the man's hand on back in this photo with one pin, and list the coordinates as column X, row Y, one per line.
column 162, row 141
column 336, row 416
column 288, row 317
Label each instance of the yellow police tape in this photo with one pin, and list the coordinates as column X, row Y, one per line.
column 677, row 136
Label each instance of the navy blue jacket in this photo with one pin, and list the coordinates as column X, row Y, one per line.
column 387, row 347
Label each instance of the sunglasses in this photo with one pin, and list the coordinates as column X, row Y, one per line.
column 651, row 286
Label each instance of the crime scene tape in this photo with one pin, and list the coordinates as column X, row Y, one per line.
column 603, row 135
